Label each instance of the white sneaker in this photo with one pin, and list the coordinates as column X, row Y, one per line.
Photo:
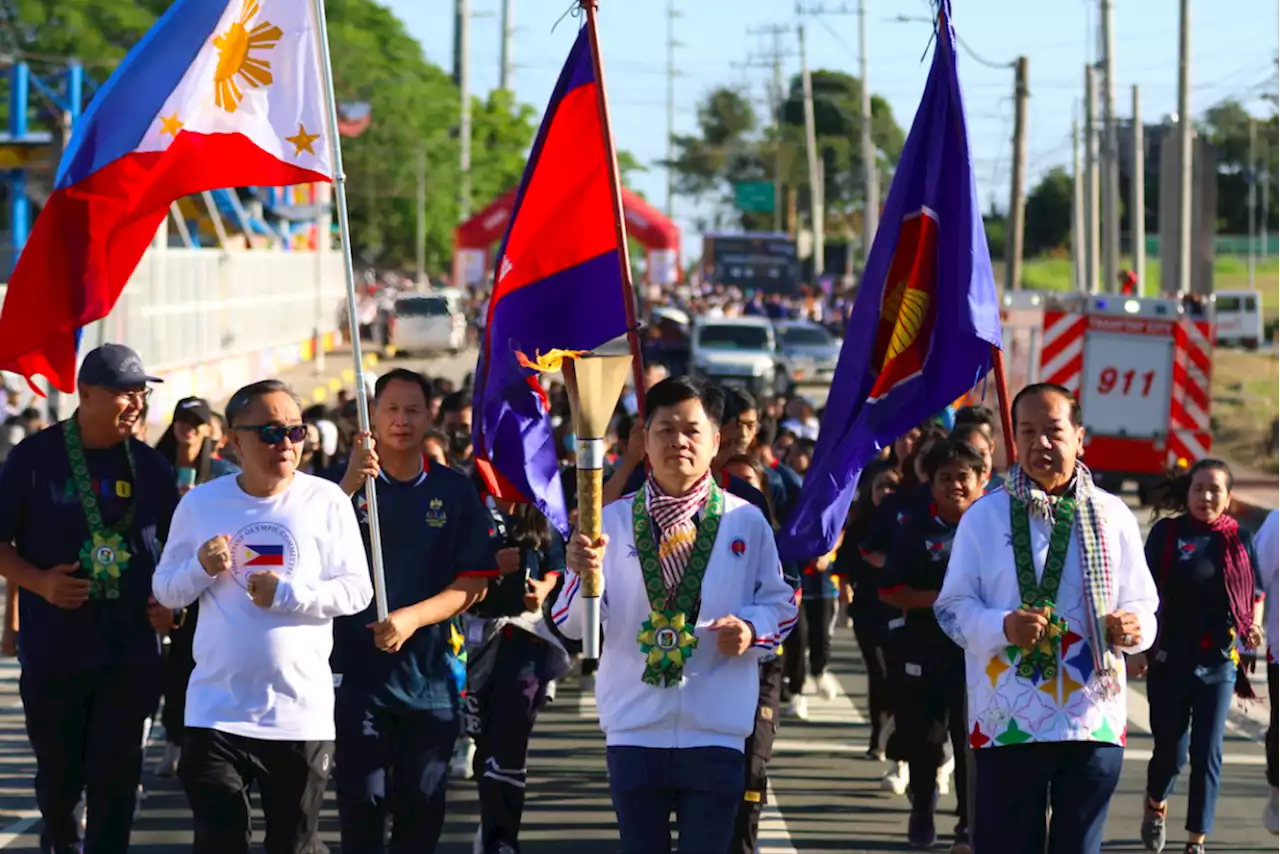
column 897, row 780
column 798, row 707
column 828, row 686
column 464, row 754
column 1271, row 815
column 168, row 764
column 810, row 685
column 944, row 775
column 551, row 692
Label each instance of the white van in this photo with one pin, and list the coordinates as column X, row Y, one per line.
column 1237, row 317
column 428, row 323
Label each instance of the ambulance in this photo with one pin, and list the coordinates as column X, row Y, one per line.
column 1140, row 367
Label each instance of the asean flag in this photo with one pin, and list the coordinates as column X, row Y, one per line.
column 558, row 286
column 219, row 93
column 925, row 319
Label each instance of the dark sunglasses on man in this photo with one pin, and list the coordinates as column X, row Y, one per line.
column 275, row 434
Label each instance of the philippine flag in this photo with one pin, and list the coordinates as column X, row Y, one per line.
column 265, row 555
column 219, row 93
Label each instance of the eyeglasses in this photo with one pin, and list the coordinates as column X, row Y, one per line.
column 274, row 434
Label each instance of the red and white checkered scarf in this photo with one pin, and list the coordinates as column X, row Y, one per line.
column 673, row 517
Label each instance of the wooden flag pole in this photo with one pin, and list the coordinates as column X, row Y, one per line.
column 619, row 218
column 344, row 227
column 1006, row 414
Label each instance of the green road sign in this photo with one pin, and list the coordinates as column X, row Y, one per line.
column 754, row 196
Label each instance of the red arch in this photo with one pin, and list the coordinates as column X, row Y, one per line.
column 645, row 223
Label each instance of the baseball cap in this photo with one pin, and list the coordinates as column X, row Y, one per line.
column 114, row 366
column 193, row 410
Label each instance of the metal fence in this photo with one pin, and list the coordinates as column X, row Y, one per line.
column 208, row 320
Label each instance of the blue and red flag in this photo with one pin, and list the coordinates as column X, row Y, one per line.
column 558, row 287
column 219, row 93
column 926, row 316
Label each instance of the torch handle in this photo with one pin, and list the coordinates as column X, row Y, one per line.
column 590, row 454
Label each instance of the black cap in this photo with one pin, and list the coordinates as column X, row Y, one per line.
column 193, row 410
column 114, row 366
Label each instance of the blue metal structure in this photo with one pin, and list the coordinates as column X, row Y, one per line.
column 65, row 90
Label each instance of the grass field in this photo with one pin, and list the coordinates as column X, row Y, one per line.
column 1230, row 273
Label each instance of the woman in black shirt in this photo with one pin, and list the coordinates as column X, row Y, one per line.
column 1207, row 574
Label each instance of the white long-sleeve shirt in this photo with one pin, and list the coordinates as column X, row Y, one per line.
column 264, row 672
column 981, row 587
column 715, row 703
column 1266, row 546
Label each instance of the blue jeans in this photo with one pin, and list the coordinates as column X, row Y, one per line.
column 703, row 785
column 1018, row 783
column 1188, row 716
column 393, row 762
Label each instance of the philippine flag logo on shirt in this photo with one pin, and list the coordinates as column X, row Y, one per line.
column 936, row 548
column 1186, row 549
column 263, row 547
column 263, row 555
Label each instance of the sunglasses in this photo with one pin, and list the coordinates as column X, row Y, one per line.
column 274, row 434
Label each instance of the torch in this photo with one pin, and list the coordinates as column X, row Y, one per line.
column 594, row 384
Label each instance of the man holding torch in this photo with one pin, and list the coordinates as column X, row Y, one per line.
column 693, row 597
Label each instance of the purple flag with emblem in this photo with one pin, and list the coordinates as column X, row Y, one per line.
column 925, row 318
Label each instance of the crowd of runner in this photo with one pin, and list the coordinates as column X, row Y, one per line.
column 219, row 583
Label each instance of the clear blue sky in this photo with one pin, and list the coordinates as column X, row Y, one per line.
column 1233, row 46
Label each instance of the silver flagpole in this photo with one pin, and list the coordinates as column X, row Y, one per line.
column 344, row 228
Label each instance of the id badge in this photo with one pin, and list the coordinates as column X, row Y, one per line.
column 914, row 669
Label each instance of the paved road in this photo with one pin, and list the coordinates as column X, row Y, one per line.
column 825, row 796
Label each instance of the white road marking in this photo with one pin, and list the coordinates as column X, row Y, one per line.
column 774, row 837
column 10, row 834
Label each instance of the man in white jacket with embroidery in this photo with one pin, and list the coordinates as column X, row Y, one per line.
column 693, row 596
column 1046, row 587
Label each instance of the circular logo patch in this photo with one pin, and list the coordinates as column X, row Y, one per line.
column 105, row 556
column 738, row 547
column 666, row 639
column 263, row 547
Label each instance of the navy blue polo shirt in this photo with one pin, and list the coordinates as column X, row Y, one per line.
column 893, row 512
column 434, row 531
column 917, row 560
column 40, row 514
column 1195, row 623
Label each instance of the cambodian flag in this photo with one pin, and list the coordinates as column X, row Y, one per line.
column 925, row 319
column 219, row 93
column 559, row 286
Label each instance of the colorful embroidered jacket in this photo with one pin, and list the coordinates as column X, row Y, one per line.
column 981, row 587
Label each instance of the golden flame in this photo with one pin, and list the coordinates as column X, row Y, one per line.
column 549, row 362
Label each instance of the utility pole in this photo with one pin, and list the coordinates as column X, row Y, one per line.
column 672, row 44
column 870, row 172
column 1138, row 196
column 1091, row 223
column 420, row 236
column 1251, row 172
column 505, row 62
column 777, row 98
column 1184, row 147
column 811, row 145
column 1017, row 184
column 1077, row 205
column 463, row 62
column 1110, row 157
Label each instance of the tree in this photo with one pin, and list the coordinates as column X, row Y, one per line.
column 1226, row 125
column 415, row 104
column 728, row 148
column 1048, row 215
